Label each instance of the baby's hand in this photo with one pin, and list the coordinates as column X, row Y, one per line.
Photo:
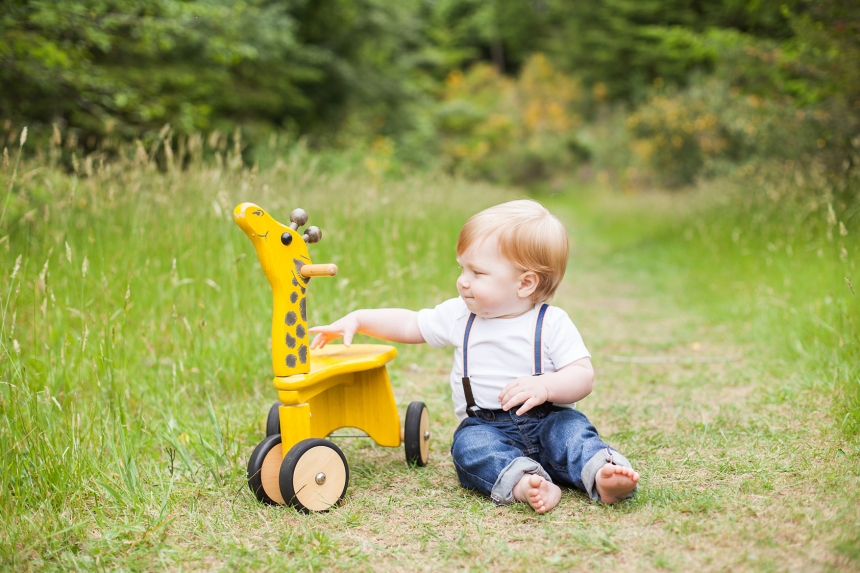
column 526, row 390
column 346, row 327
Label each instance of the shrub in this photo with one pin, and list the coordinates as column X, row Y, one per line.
column 514, row 130
column 710, row 128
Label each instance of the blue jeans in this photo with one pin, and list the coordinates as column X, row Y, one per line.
column 493, row 450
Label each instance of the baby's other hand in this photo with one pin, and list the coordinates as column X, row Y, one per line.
column 345, row 327
column 526, row 390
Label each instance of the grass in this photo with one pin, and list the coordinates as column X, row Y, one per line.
column 135, row 380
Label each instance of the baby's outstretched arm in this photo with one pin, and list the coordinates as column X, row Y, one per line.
column 570, row 384
column 392, row 324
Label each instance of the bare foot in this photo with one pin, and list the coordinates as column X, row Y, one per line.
column 615, row 482
column 539, row 493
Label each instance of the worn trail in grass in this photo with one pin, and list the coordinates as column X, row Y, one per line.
column 136, row 384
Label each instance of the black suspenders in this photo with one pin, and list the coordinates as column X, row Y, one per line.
column 538, row 356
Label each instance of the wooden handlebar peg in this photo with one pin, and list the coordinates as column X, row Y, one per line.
column 323, row 270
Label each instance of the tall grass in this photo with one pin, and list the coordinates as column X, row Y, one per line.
column 135, row 326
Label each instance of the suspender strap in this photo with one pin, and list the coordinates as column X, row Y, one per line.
column 538, row 345
column 538, row 356
column 467, row 386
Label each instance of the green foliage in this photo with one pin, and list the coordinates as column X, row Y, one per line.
column 505, row 32
column 124, row 66
column 792, row 100
column 625, row 46
column 823, row 55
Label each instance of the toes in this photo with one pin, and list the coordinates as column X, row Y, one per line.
column 621, row 470
column 632, row 474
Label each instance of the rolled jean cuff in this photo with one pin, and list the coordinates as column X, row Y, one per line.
column 597, row 461
column 503, row 490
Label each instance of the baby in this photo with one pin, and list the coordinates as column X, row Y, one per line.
column 519, row 368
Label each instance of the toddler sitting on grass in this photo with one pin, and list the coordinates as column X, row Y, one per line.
column 519, row 364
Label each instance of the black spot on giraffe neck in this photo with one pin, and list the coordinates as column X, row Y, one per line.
column 298, row 264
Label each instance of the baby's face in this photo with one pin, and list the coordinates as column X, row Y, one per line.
column 489, row 283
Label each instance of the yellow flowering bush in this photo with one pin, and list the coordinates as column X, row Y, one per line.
column 507, row 129
column 701, row 131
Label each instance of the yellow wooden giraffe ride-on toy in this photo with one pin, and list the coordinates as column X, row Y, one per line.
column 320, row 390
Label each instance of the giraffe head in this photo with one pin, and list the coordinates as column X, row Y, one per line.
column 282, row 250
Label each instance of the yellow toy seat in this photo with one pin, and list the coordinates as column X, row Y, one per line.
column 347, row 386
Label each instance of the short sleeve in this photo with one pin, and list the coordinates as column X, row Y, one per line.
column 437, row 324
column 563, row 344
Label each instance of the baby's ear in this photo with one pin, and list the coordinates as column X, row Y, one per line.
column 529, row 282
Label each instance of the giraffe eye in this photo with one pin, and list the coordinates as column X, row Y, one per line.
column 286, row 239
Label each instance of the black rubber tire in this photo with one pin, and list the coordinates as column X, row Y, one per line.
column 288, row 469
column 255, row 466
column 413, row 435
column 273, row 422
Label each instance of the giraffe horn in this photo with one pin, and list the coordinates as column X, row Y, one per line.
column 298, row 218
column 312, row 234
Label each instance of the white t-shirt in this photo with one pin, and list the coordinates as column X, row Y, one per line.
column 500, row 349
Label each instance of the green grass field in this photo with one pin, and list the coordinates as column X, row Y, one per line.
column 136, row 376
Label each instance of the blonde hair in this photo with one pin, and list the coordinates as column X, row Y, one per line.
column 528, row 236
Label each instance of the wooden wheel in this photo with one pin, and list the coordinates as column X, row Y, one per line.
column 416, row 434
column 314, row 475
column 263, row 470
column 273, row 422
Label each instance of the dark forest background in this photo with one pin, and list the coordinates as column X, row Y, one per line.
column 647, row 92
